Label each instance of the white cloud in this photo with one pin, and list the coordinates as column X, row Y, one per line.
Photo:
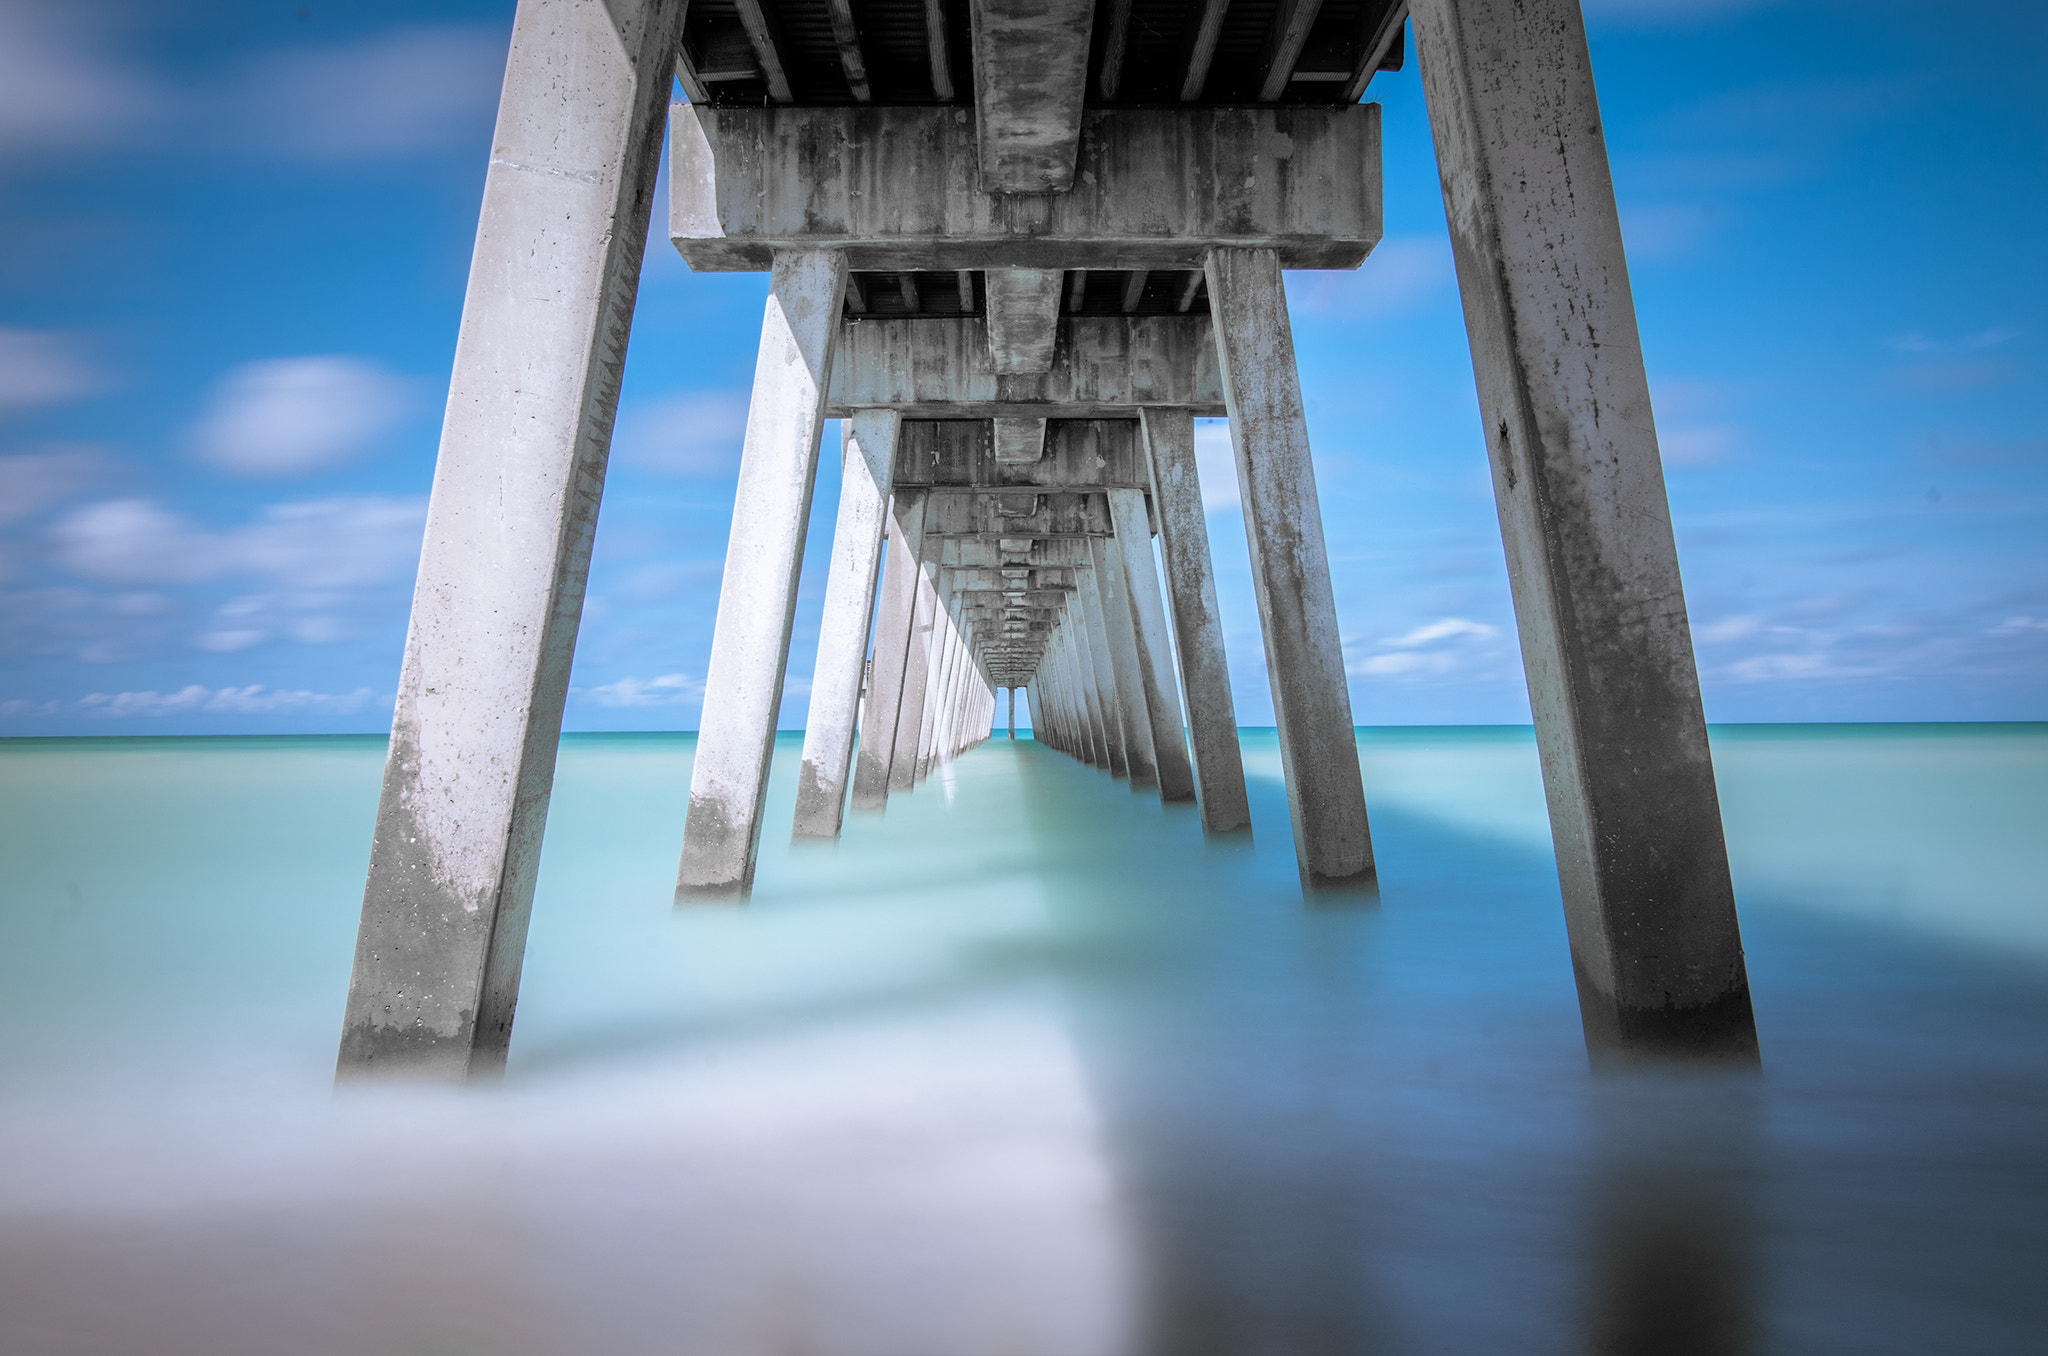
column 33, row 481
column 1916, row 342
column 1216, row 465
column 2020, row 626
column 253, row 700
column 1727, row 629
column 315, row 547
column 1697, row 444
column 39, row 367
column 1402, row 272
column 697, row 434
column 1447, row 629
column 402, row 93
column 290, row 416
column 1446, row 645
column 134, row 541
column 59, row 87
column 670, row 689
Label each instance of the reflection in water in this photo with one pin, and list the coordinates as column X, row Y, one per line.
column 1024, row 1067
column 1675, row 1270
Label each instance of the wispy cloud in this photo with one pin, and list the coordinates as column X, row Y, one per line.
column 330, row 543
column 670, row 689
column 1216, row 465
column 61, row 87
column 694, row 434
column 253, row 700
column 34, row 481
column 1403, row 272
column 1444, row 646
column 293, row 416
column 401, row 93
column 39, row 367
column 1918, row 342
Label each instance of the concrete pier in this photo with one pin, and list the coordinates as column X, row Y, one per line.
column 1020, row 258
column 1576, row 474
column 530, row 404
column 1290, row 569
column 866, row 472
column 1198, row 627
column 757, row 600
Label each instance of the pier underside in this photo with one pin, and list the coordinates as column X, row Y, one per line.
column 1016, row 247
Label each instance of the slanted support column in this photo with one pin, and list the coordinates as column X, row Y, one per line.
column 866, row 468
column 1139, row 582
column 757, row 600
column 1109, row 713
column 917, row 675
column 1197, row 625
column 1580, row 488
column 494, row 616
column 1114, row 590
column 1290, row 569
column 895, row 621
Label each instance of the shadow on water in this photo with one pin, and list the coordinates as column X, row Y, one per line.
column 1360, row 1130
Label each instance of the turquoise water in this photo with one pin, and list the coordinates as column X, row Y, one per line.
column 1025, row 1066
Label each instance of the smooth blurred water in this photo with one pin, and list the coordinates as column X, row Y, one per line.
column 1025, row 1066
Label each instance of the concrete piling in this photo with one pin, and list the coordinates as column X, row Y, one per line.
column 531, row 402
column 866, row 469
column 1197, row 626
column 1290, row 569
column 1599, row 606
column 757, row 600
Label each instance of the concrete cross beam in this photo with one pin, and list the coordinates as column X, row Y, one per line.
column 900, row 188
column 1037, row 514
column 1023, row 317
column 1105, row 368
column 1091, row 453
column 1030, row 75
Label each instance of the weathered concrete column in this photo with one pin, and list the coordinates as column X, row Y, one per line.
column 1093, row 633
column 1080, row 738
column 1140, row 579
column 1290, row 569
column 866, row 466
column 1114, row 593
column 757, row 600
column 1013, row 711
column 895, row 620
column 917, row 673
column 945, row 687
column 1197, row 624
column 1580, row 488
column 500, row 592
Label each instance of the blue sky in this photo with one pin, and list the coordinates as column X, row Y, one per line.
column 235, row 242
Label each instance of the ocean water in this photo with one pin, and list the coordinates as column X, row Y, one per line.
column 1025, row 1067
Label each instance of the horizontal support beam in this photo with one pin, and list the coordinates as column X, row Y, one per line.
column 1079, row 454
column 1106, row 366
column 899, row 188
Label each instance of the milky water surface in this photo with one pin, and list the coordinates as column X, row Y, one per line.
column 1025, row 1066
